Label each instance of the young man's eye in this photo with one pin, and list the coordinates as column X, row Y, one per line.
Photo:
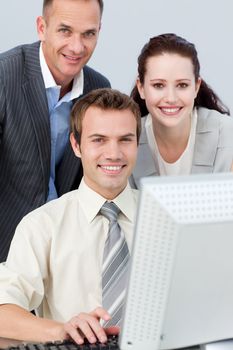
column 126, row 139
column 97, row 140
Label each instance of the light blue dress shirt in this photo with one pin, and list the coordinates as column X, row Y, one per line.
column 59, row 114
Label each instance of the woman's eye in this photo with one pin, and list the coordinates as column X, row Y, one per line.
column 158, row 85
column 183, row 85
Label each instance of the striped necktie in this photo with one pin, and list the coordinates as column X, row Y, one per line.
column 115, row 263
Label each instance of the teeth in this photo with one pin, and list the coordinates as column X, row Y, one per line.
column 111, row 167
column 170, row 110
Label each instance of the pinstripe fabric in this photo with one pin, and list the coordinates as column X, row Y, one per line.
column 115, row 266
column 25, row 139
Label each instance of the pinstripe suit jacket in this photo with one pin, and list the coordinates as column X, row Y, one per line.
column 213, row 151
column 25, row 139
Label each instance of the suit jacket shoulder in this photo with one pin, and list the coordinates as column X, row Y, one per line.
column 214, row 142
column 93, row 80
column 22, row 60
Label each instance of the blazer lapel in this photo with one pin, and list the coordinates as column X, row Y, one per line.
column 145, row 164
column 36, row 100
column 205, row 144
column 69, row 172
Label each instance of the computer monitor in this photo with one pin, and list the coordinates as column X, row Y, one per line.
column 180, row 290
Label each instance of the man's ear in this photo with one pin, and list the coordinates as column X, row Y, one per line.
column 75, row 146
column 41, row 27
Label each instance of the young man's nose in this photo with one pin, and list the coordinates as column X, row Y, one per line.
column 113, row 151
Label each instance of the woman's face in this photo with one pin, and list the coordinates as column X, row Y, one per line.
column 169, row 89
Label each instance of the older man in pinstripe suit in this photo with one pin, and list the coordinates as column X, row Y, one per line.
column 38, row 85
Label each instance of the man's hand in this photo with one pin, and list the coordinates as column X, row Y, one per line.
column 87, row 325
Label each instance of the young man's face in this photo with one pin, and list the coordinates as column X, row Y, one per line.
column 108, row 149
column 69, row 32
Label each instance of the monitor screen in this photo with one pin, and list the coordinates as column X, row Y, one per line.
column 180, row 290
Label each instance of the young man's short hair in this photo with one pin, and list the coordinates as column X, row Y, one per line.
column 105, row 99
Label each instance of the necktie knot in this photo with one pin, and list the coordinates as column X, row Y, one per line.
column 110, row 210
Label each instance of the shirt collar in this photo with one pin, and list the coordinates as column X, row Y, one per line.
column 78, row 82
column 125, row 201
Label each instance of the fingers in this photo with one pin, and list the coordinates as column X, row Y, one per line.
column 71, row 330
column 100, row 313
column 87, row 326
column 113, row 330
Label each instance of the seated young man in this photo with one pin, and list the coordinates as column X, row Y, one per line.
column 55, row 263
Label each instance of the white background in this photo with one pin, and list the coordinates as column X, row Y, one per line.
column 128, row 24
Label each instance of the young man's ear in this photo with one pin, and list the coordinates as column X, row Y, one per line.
column 75, row 145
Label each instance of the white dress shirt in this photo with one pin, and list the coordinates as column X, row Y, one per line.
column 59, row 117
column 183, row 164
column 55, row 260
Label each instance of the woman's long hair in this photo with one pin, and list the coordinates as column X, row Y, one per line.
column 171, row 43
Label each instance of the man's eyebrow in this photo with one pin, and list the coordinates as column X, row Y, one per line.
column 66, row 26
column 96, row 135
column 130, row 134
column 90, row 30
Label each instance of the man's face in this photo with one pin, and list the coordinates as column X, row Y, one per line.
column 69, row 32
column 108, row 149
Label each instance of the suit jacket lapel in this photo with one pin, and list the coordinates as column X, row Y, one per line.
column 36, row 100
column 145, row 165
column 206, row 143
column 69, row 172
